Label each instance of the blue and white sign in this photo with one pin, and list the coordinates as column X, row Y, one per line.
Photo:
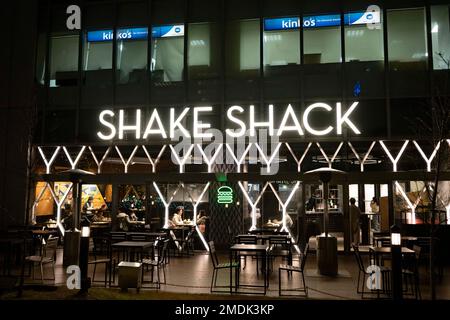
column 328, row 20
column 168, row 31
column 122, row 34
column 368, row 17
column 281, row 23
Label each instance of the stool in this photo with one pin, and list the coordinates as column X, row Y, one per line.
column 130, row 275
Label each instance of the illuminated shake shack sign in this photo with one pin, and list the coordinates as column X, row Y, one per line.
column 114, row 124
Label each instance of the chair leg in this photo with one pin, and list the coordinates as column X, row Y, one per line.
column 42, row 272
column 54, row 275
column 212, row 280
column 159, row 280
column 93, row 275
column 279, row 282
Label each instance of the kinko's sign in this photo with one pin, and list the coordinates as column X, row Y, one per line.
column 114, row 124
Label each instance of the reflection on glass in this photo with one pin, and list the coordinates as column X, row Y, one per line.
column 63, row 60
column 243, row 54
column 407, row 42
column 132, row 59
column 364, row 42
column 322, row 43
column 281, row 47
column 440, row 36
column 203, row 51
column 167, row 53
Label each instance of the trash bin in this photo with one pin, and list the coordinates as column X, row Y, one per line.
column 130, row 275
column 327, row 262
column 71, row 254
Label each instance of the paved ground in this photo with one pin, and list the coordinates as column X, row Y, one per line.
column 189, row 278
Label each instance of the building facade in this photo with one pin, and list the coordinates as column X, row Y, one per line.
column 354, row 86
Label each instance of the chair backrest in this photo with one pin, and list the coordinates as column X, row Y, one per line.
column 118, row 236
column 50, row 248
column 280, row 242
column 137, row 237
column 304, row 256
column 358, row 258
column 246, row 239
column 212, row 252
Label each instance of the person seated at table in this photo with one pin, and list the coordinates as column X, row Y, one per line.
column 201, row 221
column 133, row 216
column 124, row 221
column 99, row 217
column 89, row 205
column 177, row 217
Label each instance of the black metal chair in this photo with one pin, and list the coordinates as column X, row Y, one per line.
column 247, row 239
column 159, row 263
column 97, row 261
column 280, row 247
column 219, row 266
column 411, row 274
column 48, row 255
column 290, row 268
column 383, row 285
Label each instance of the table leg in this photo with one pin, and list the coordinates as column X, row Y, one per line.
column 231, row 272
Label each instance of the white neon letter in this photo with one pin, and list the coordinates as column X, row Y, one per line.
column 136, row 127
column 306, row 122
column 197, row 126
column 148, row 130
column 296, row 127
column 234, row 133
column 177, row 123
column 340, row 119
column 111, row 126
column 254, row 124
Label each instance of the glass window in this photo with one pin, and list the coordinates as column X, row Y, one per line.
column 243, row 54
column 322, row 39
column 63, row 60
column 281, row 41
column 167, row 53
column 363, row 40
column 131, row 55
column 40, row 59
column 440, row 36
column 407, row 42
column 203, row 50
column 98, row 57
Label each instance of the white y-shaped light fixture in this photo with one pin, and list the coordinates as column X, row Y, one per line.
column 158, row 157
column 59, row 203
column 181, row 162
column 49, row 163
column 397, row 158
column 241, row 159
column 364, row 159
column 74, row 163
column 328, row 160
column 195, row 203
column 253, row 204
column 433, row 154
column 210, row 162
column 266, row 158
column 99, row 163
column 127, row 162
column 298, row 161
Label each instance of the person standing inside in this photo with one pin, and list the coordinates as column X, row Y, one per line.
column 355, row 215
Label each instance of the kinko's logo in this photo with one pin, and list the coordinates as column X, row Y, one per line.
column 74, row 278
column 74, row 20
